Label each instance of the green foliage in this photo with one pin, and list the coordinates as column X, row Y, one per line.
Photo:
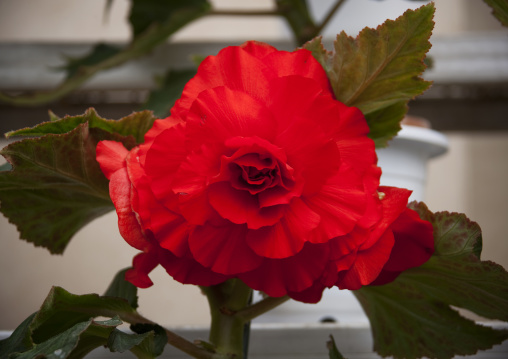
column 65, row 327
column 378, row 72
column 147, row 13
column 120, row 288
column 411, row 317
column 56, row 186
column 99, row 53
column 297, row 15
column 152, row 21
column 74, row 342
column 19, row 341
column 171, row 86
column 333, row 352
column 499, row 9
column 155, row 346
column 134, row 126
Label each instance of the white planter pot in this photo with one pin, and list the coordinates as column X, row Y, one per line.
column 404, row 161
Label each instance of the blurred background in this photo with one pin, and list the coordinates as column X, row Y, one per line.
column 468, row 103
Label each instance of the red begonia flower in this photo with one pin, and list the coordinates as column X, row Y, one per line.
column 258, row 174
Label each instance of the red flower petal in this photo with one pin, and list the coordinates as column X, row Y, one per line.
column 248, row 74
column 142, row 264
column 312, row 294
column 221, row 113
column 258, row 49
column 111, row 157
column 301, row 63
column 340, row 203
column 223, row 249
column 163, row 159
column 368, row 264
column 187, row 271
column 286, row 104
column 414, row 245
column 310, row 152
column 120, row 192
column 277, row 277
column 287, row 237
column 240, row 207
column 414, row 242
column 168, row 228
column 393, row 204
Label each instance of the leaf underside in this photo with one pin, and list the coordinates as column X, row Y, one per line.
column 379, row 70
column 412, row 318
column 66, row 326
column 499, row 10
column 56, row 186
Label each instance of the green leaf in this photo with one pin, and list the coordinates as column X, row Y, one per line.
column 99, row 53
column 120, row 288
column 75, row 342
column 135, row 125
column 162, row 99
column 19, row 341
column 62, row 310
column 321, row 54
column 333, row 352
column 154, row 346
column 65, row 327
column 499, row 10
column 153, row 22
column 385, row 122
column 56, row 185
column 379, row 71
column 5, row 167
column 55, row 188
column 411, row 317
column 297, row 15
column 146, row 13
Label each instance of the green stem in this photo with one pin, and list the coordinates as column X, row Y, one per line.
column 140, row 45
column 173, row 339
column 329, row 16
column 244, row 13
column 227, row 329
column 261, row 307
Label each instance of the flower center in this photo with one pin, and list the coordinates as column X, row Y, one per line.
column 254, row 172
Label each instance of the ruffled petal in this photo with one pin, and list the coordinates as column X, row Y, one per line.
column 240, row 207
column 223, row 249
column 187, row 271
column 163, row 159
column 142, row 265
column 258, row 49
column 341, row 203
column 312, row 294
column 111, row 156
column 414, row 242
column 120, row 192
column 368, row 264
column 295, row 96
column 278, row 277
column 248, row 74
column 287, row 237
column 168, row 227
column 393, row 204
column 301, row 63
column 414, row 245
column 221, row 113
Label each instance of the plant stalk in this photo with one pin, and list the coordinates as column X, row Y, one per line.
column 227, row 331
